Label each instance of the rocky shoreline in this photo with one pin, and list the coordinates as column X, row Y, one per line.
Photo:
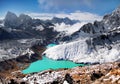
column 107, row 73
column 16, row 65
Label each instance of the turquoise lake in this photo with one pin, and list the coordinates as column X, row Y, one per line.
column 47, row 63
column 51, row 45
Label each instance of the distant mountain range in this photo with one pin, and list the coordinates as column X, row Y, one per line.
column 23, row 26
column 65, row 20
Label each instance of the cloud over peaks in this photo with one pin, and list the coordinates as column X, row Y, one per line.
column 78, row 15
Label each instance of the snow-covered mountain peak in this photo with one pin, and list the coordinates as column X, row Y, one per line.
column 101, row 45
column 117, row 11
column 10, row 14
column 109, row 23
column 112, row 21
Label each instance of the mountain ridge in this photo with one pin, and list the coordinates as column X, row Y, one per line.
column 93, row 42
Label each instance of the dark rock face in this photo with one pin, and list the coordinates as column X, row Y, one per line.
column 105, row 40
column 23, row 26
column 69, row 79
column 1, row 22
column 12, row 82
column 21, row 60
column 55, row 82
column 25, row 21
column 95, row 75
column 88, row 28
column 119, row 65
column 11, row 20
column 110, row 22
column 102, row 33
column 4, row 34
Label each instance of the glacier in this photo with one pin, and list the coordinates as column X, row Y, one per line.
column 80, row 52
column 96, row 42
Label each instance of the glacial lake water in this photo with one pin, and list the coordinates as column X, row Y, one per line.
column 46, row 64
column 51, row 45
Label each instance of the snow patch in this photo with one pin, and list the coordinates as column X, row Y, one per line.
column 39, row 28
column 68, row 29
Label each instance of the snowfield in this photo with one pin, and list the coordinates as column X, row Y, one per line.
column 78, row 51
column 68, row 29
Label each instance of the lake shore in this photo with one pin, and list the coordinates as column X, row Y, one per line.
column 106, row 73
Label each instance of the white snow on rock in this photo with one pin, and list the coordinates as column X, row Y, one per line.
column 65, row 82
column 1, row 24
column 68, row 29
column 14, row 48
column 78, row 51
column 39, row 28
column 22, row 40
column 40, row 78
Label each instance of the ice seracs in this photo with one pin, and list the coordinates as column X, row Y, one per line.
column 93, row 42
column 79, row 51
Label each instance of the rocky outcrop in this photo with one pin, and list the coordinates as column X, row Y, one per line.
column 11, row 20
column 108, row 73
column 11, row 68
column 21, row 61
column 109, row 23
column 4, row 34
column 95, row 74
column 25, row 21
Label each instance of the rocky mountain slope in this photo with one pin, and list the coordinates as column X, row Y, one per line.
column 96, row 74
column 92, row 43
column 23, row 40
column 97, row 42
column 23, row 26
